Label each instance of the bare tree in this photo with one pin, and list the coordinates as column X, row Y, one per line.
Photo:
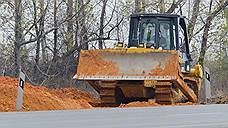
column 193, row 18
column 37, row 57
column 55, row 50
column 139, row 6
column 83, row 33
column 162, row 6
column 69, row 35
column 211, row 16
column 18, row 34
column 174, row 5
column 102, row 18
column 42, row 40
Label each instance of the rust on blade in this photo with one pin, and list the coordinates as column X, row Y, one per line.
column 92, row 63
column 128, row 63
column 170, row 68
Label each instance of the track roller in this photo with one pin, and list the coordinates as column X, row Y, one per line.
column 108, row 93
column 163, row 93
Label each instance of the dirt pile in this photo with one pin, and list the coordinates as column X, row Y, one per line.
column 41, row 98
column 140, row 104
column 151, row 104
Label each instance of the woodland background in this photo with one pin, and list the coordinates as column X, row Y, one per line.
column 44, row 37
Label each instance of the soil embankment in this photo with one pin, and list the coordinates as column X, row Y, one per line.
column 42, row 98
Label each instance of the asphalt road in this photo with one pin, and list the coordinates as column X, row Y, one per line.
column 200, row 116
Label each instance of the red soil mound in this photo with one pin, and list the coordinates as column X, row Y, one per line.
column 41, row 98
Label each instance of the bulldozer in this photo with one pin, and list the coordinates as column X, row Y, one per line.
column 155, row 64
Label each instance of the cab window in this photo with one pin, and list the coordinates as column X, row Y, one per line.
column 164, row 36
column 148, row 34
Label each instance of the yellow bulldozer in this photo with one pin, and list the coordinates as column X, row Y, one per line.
column 155, row 64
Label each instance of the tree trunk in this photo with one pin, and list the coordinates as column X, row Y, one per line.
column 209, row 19
column 18, row 35
column 37, row 57
column 139, row 6
column 162, row 6
column 193, row 19
column 174, row 6
column 226, row 29
column 83, row 33
column 204, row 41
column 102, row 18
column 69, row 35
column 76, row 24
column 55, row 32
column 42, row 40
column 226, row 15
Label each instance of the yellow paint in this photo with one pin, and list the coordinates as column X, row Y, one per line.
column 197, row 71
column 150, row 83
column 137, row 50
column 130, row 50
column 181, row 61
column 142, row 45
column 120, row 45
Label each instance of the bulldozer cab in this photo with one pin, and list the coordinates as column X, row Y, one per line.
column 159, row 31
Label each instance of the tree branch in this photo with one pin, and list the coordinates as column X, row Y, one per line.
column 174, row 6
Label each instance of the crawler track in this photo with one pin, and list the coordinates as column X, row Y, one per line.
column 108, row 93
column 163, row 93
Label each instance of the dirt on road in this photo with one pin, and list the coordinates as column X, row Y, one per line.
column 151, row 103
column 41, row 98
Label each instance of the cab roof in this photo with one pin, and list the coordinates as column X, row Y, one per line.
column 164, row 15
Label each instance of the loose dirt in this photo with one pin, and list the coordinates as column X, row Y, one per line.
column 140, row 104
column 151, row 103
column 41, row 98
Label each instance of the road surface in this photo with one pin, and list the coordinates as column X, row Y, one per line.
column 198, row 116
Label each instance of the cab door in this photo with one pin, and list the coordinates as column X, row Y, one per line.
column 148, row 32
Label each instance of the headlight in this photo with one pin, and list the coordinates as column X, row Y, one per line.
column 187, row 66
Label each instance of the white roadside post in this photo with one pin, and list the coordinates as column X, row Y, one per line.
column 20, row 91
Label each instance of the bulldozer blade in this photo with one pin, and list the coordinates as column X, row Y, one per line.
column 128, row 64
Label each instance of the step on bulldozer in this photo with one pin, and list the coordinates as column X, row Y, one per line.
column 155, row 64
